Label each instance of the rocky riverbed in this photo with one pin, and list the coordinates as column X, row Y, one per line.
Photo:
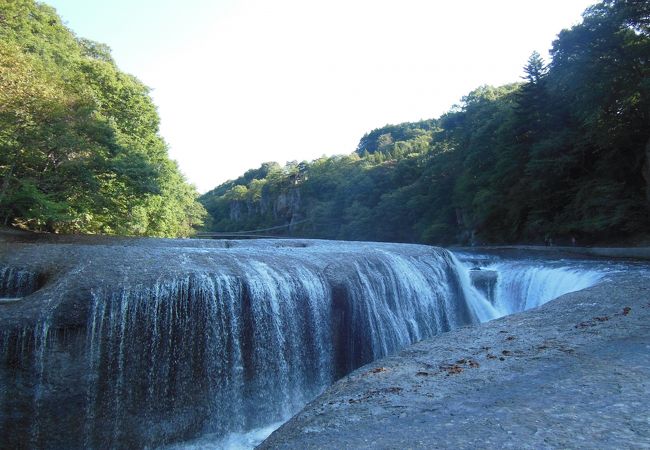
column 574, row 373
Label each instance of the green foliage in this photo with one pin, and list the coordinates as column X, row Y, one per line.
column 564, row 153
column 79, row 144
column 384, row 140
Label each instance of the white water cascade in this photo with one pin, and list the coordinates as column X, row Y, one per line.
column 16, row 283
column 223, row 342
column 522, row 286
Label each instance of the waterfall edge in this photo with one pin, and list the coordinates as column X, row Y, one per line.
column 521, row 371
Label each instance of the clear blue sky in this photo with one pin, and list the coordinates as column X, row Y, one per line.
column 240, row 82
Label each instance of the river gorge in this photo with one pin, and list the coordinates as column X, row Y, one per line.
column 132, row 343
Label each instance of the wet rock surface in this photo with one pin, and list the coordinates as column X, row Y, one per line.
column 574, row 373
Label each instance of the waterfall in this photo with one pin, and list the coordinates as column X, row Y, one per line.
column 514, row 285
column 481, row 303
column 16, row 283
column 524, row 285
column 190, row 339
column 225, row 341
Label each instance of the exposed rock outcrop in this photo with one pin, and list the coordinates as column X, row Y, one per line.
column 285, row 205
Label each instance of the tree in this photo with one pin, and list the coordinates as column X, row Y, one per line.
column 564, row 153
column 79, row 143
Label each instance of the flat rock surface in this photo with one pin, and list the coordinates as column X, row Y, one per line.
column 574, row 373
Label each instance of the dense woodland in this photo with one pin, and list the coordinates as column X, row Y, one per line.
column 79, row 145
column 564, row 153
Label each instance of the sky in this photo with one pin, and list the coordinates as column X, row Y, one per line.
column 242, row 82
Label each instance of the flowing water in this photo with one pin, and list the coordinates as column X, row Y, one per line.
column 16, row 283
column 231, row 346
column 514, row 285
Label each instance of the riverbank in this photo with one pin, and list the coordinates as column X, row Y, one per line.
column 572, row 373
column 640, row 253
column 14, row 235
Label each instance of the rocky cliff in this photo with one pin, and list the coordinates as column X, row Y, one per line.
column 285, row 206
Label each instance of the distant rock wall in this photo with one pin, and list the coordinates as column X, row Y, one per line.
column 285, row 206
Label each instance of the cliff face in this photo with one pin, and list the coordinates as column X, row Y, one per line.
column 284, row 206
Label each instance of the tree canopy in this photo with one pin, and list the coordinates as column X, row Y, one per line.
column 565, row 152
column 79, row 145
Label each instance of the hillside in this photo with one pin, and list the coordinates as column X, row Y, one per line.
column 564, row 154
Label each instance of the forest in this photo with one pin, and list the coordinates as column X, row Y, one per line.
column 80, row 150
column 564, row 154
